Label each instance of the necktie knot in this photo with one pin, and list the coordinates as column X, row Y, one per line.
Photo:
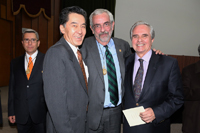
column 30, row 59
column 141, row 62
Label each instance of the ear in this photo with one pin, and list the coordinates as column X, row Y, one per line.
column 62, row 29
column 38, row 43
column 113, row 24
column 152, row 40
column 91, row 29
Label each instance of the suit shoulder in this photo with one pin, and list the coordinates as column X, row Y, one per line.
column 166, row 57
column 120, row 40
column 17, row 59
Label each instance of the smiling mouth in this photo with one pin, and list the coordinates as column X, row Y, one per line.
column 140, row 45
column 78, row 37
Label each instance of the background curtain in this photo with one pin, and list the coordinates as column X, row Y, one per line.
column 89, row 6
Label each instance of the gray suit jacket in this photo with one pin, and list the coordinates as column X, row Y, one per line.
column 96, row 87
column 65, row 90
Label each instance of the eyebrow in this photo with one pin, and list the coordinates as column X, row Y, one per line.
column 103, row 23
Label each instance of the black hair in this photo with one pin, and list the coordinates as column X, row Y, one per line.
column 64, row 15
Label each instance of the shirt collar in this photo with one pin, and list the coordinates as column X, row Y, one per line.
column 33, row 55
column 146, row 57
column 74, row 48
column 110, row 44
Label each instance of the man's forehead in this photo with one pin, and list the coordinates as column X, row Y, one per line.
column 141, row 29
column 29, row 34
column 101, row 18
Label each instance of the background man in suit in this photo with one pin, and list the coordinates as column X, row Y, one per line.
column 159, row 90
column 104, row 115
column 26, row 104
column 65, row 84
column 191, row 86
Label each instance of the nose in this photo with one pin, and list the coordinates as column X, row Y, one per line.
column 29, row 41
column 139, row 38
column 102, row 28
column 79, row 30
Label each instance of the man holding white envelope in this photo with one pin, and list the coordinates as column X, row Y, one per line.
column 153, row 82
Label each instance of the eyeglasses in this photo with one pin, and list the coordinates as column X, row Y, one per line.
column 105, row 25
column 33, row 40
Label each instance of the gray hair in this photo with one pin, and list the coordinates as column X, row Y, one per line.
column 25, row 30
column 152, row 32
column 98, row 12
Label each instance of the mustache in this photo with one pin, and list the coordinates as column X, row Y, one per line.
column 105, row 32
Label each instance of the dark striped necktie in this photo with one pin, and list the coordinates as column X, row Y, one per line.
column 112, row 78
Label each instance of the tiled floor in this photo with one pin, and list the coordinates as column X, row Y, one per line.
column 175, row 128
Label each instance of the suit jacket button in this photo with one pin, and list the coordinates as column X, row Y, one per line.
column 137, row 104
column 27, row 86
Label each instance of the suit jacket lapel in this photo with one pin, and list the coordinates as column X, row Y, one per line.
column 77, row 67
column 150, row 73
column 129, row 73
column 22, row 66
column 96, row 57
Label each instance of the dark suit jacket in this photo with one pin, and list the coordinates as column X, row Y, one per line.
column 96, row 87
column 191, row 86
column 26, row 97
column 162, row 91
column 65, row 90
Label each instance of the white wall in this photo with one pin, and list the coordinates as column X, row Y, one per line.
column 176, row 23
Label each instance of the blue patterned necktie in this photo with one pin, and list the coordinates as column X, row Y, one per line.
column 138, row 80
column 112, row 78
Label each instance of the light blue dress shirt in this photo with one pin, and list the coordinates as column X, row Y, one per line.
column 102, row 49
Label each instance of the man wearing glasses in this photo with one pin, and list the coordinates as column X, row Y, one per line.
column 26, row 104
column 105, row 96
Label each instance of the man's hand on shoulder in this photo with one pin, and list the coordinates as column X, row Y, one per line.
column 158, row 51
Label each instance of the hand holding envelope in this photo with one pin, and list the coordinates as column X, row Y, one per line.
column 133, row 116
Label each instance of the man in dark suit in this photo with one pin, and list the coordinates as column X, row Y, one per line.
column 191, row 86
column 26, row 104
column 152, row 81
column 65, row 81
column 104, row 116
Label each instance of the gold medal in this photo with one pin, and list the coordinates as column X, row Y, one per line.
column 104, row 71
column 27, row 71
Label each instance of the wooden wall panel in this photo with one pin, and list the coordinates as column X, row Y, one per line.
column 184, row 61
column 50, row 33
column 43, row 32
column 5, row 51
column 35, row 23
column 18, row 36
column 3, row 11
